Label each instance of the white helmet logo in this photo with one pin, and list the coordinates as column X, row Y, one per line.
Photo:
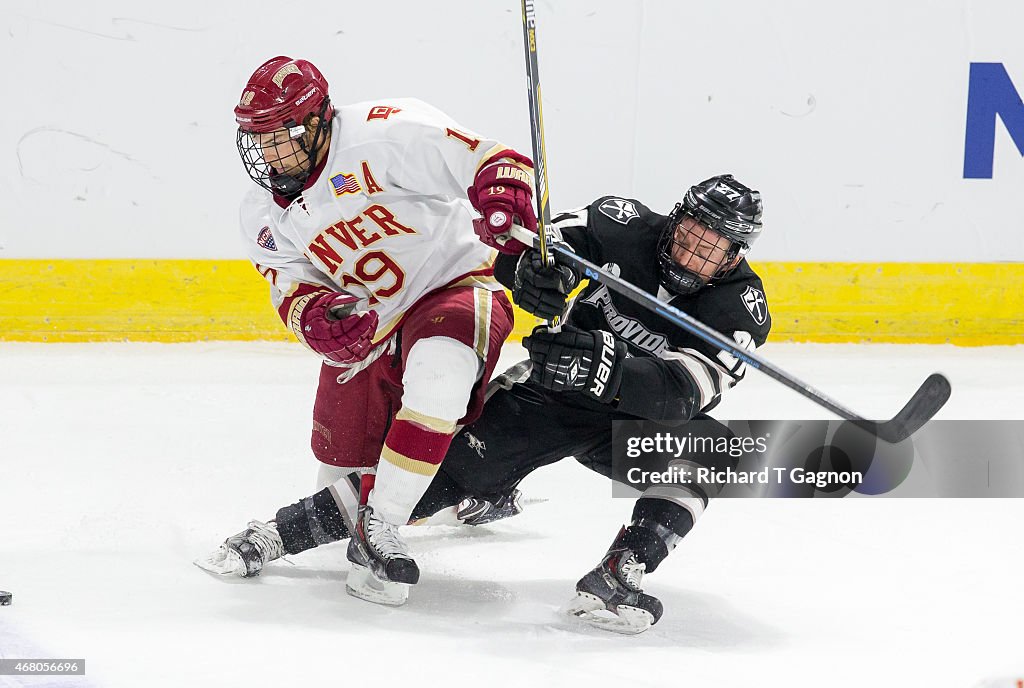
column 727, row 191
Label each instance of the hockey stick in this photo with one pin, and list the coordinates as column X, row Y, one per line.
column 925, row 403
column 540, row 158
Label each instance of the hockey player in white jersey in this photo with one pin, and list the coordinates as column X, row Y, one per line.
column 364, row 227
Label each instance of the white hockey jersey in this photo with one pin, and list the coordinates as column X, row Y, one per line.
column 387, row 219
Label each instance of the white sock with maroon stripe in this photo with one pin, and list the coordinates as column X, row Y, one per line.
column 439, row 377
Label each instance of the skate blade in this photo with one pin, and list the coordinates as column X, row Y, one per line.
column 626, row 620
column 444, row 517
column 223, row 562
column 363, row 584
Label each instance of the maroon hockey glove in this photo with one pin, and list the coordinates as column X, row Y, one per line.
column 503, row 193
column 333, row 328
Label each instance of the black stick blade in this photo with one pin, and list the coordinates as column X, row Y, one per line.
column 926, row 402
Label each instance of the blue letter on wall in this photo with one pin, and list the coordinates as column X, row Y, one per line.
column 989, row 94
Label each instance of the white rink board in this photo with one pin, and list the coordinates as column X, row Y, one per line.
column 121, row 463
column 849, row 117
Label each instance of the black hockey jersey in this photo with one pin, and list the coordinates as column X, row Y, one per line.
column 671, row 375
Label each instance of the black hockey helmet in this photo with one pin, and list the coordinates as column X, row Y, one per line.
column 708, row 233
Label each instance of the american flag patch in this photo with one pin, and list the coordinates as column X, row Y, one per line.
column 266, row 239
column 345, row 183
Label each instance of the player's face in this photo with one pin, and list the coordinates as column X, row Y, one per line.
column 699, row 249
column 282, row 152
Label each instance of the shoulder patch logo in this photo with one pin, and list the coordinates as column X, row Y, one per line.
column 266, row 239
column 753, row 300
column 381, row 112
column 345, row 184
column 620, row 210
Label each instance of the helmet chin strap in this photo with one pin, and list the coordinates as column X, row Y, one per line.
column 285, row 185
column 681, row 281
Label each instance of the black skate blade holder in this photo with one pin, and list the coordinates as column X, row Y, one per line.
column 922, row 406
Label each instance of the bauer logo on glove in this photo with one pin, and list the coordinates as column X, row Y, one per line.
column 573, row 360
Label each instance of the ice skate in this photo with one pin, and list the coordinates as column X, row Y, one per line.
column 477, row 512
column 382, row 569
column 610, row 598
column 245, row 554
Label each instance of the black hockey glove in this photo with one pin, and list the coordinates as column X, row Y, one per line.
column 577, row 361
column 540, row 289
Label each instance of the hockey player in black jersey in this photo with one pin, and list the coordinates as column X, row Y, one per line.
column 611, row 360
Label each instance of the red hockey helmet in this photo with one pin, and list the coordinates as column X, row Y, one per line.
column 277, row 147
column 281, row 93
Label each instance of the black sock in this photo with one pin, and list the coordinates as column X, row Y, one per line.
column 658, row 526
column 311, row 522
column 442, row 493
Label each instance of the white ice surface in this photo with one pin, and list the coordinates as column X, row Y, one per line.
column 121, row 463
